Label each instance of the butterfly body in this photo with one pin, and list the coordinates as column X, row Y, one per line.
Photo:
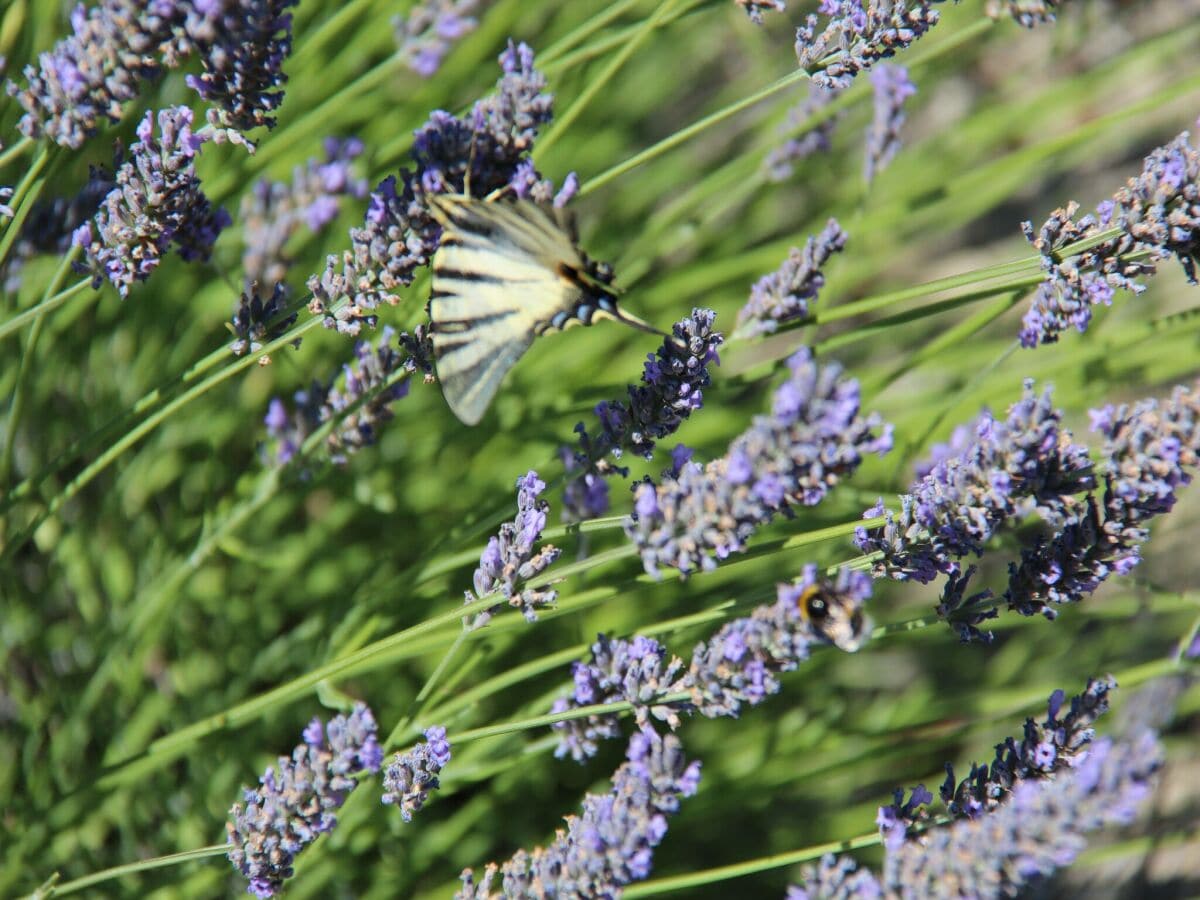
column 506, row 271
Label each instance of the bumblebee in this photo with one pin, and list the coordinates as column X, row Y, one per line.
column 833, row 617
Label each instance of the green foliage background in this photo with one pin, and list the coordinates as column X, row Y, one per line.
column 180, row 613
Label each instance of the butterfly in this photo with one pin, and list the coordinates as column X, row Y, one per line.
column 505, row 271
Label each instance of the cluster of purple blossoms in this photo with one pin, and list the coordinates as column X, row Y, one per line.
column 118, row 44
column 1020, row 820
column 361, row 406
column 1012, row 468
column 673, row 382
column 485, row 148
column 755, row 8
column 1024, row 12
column 412, row 775
column 784, row 295
column 1149, row 452
column 1158, row 215
column 891, row 87
column 273, row 211
column 257, row 321
column 297, row 798
column 244, row 44
column 858, row 34
column 814, row 437
column 611, row 843
column 815, row 138
column 509, row 562
column 157, row 202
column 637, row 671
column 426, row 34
column 739, row 665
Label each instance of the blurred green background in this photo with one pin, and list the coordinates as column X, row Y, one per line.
column 186, row 579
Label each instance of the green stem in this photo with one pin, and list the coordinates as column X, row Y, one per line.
column 24, row 196
column 572, row 60
column 16, row 407
column 564, row 121
column 582, row 32
column 20, row 148
column 142, row 865
column 686, row 134
column 47, row 304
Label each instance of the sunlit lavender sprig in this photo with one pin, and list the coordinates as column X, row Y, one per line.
column 510, row 561
column 1025, row 463
column 1044, row 749
column 858, row 34
column 399, row 236
column 413, row 775
column 1150, row 451
column 892, row 87
column 157, row 201
column 755, row 8
column 375, row 376
column 1024, row 12
column 818, row 138
column 273, row 211
column 114, row 47
column 425, row 35
column 611, row 843
column 1158, row 213
column 244, row 44
column 672, row 388
column 786, row 294
column 1042, row 827
column 815, row 437
column 297, row 798
column 637, row 671
column 739, row 665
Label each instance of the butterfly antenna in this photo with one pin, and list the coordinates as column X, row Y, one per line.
column 641, row 324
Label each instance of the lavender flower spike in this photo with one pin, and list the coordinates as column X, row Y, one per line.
column 297, row 797
column 813, row 439
column 509, row 562
column 611, row 843
column 892, row 87
column 836, row 878
column 858, row 34
column 813, row 139
column 431, row 27
column 1024, row 12
column 1158, row 214
column 157, row 202
column 412, row 775
column 784, row 295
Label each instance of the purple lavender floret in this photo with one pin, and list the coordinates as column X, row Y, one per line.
column 157, row 202
column 611, row 843
column 1024, row 12
column 273, row 211
column 1040, row 828
column 817, row 138
column 814, row 438
column 1150, row 452
column 892, row 87
column 257, row 321
column 399, row 236
column 1026, row 463
column 1158, row 213
column 858, row 34
column 894, row 820
column 784, row 295
column 509, row 562
column 113, row 47
column 413, row 775
column 1045, row 749
column 637, row 671
column 740, row 665
column 373, row 377
column 755, row 8
column 425, row 35
column 296, row 799
column 243, row 45
column 836, row 878
column 965, row 613
column 672, row 388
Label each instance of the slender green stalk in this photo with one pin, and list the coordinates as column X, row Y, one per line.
column 585, row 30
column 19, row 149
column 16, row 405
column 28, row 189
column 46, row 305
column 142, row 865
column 565, row 120
column 602, row 45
